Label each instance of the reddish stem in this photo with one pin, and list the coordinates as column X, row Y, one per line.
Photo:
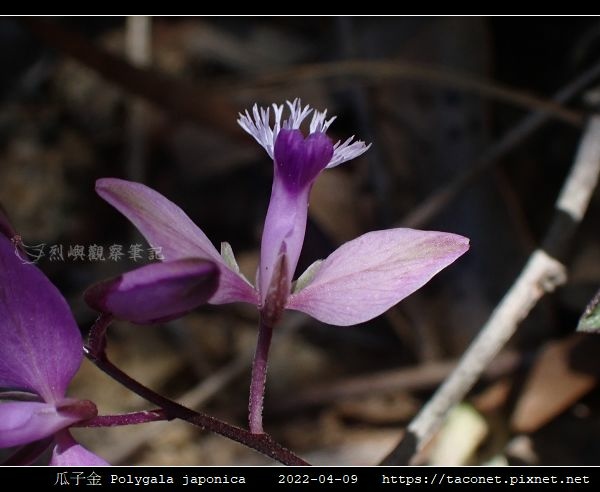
column 263, row 443
column 259, row 377
column 132, row 418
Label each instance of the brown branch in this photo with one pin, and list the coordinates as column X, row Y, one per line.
column 175, row 96
column 541, row 275
column 212, row 105
column 376, row 71
column 439, row 200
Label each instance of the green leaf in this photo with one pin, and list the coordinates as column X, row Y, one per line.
column 590, row 321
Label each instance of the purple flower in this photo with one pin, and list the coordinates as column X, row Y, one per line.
column 40, row 352
column 357, row 282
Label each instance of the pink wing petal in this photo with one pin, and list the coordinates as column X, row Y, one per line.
column 365, row 277
column 160, row 221
column 166, row 226
column 40, row 344
column 25, row 422
column 68, row 452
column 233, row 288
column 156, row 292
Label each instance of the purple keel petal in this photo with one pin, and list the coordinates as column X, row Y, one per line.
column 68, row 453
column 300, row 160
column 165, row 225
column 365, row 277
column 41, row 346
column 284, row 228
column 156, row 292
column 25, row 422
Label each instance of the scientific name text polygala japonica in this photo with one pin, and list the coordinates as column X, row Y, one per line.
column 185, row 480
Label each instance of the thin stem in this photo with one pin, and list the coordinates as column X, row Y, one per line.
column 97, row 337
column 259, row 377
column 132, row 418
column 262, row 443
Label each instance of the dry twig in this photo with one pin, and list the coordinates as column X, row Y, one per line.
column 138, row 48
column 541, row 275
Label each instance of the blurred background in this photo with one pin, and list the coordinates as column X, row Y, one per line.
column 156, row 100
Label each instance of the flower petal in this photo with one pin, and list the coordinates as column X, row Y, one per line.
column 300, row 160
column 165, row 225
column 233, row 287
column 25, row 422
column 344, row 152
column 41, row 347
column 160, row 221
column 365, row 277
column 285, row 226
column 258, row 125
column 156, row 292
column 68, row 452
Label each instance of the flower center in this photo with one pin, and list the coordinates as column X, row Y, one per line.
column 299, row 160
